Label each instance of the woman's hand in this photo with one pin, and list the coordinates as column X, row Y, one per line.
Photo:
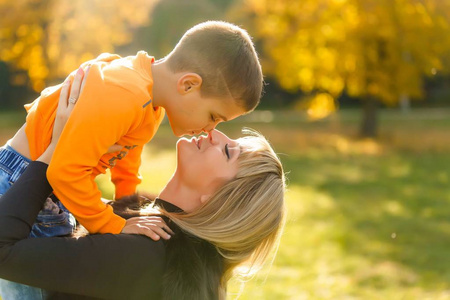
column 152, row 226
column 67, row 99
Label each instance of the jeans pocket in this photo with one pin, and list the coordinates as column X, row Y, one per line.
column 48, row 225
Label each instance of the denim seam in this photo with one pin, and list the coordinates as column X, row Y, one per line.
column 19, row 170
column 5, row 169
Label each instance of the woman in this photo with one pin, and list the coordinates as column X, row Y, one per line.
column 225, row 203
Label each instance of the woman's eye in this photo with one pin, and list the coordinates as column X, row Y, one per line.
column 226, row 151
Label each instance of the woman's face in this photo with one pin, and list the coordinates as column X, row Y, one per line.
column 207, row 162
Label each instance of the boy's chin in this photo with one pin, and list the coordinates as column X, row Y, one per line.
column 178, row 132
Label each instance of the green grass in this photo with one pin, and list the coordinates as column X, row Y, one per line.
column 365, row 228
column 367, row 219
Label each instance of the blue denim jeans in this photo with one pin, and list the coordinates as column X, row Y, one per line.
column 53, row 220
column 15, row 291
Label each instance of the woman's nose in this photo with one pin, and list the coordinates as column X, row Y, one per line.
column 213, row 138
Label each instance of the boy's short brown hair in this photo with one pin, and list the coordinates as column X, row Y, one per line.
column 224, row 56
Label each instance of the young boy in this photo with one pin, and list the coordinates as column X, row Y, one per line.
column 211, row 76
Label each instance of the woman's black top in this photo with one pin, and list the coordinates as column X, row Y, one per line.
column 104, row 266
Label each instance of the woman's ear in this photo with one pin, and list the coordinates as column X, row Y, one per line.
column 189, row 82
column 204, row 198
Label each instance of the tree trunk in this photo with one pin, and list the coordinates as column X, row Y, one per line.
column 369, row 125
column 405, row 104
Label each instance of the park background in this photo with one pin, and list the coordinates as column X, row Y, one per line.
column 356, row 105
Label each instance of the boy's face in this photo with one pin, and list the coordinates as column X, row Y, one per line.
column 192, row 114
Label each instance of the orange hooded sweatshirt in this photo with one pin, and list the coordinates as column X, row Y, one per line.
column 115, row 107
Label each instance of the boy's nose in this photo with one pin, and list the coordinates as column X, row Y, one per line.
column 211, row 127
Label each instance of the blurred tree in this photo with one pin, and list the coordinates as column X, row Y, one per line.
column 4, row 83
column 377, row 50
column 50, row 38
column 171, row 19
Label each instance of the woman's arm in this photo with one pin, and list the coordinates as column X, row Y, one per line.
column 20, row 205
column 105, row 266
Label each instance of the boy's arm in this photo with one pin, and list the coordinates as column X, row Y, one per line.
column 101, row 117
column 125, row 174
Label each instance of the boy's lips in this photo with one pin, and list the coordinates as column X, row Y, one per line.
column 195, row 132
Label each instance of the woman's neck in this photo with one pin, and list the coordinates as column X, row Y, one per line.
column 180, row 195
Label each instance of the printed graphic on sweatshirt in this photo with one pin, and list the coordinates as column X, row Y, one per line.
column 120, row 155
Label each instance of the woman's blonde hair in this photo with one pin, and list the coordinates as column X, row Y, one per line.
column 245, row 217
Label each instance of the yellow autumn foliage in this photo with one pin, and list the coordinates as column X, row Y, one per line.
column 381, row 49
column 318, row 106
column 50, row 38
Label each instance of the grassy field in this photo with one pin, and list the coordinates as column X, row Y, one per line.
column 367, row 219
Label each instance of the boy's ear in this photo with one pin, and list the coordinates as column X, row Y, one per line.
column 189, row 82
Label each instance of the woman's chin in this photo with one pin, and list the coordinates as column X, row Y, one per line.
column 182, row 140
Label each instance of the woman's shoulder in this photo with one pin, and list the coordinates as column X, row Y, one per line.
column 193, row 266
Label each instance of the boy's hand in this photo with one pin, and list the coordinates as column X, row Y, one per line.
column 152, row 226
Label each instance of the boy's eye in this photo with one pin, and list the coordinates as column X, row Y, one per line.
column 226, row 151
column 212, row 118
